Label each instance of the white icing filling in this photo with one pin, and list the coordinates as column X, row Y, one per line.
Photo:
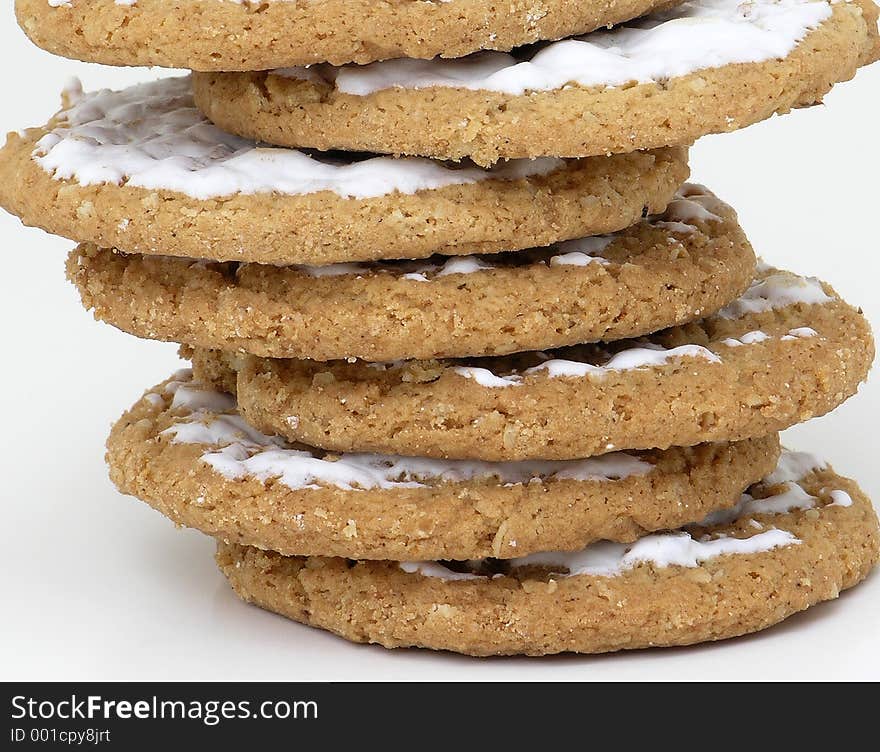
column 411, row 270
column 485, row 377
column 606, row 559
column 802, row 332
column 752, row 338
column 749, row 338
column 778, row 290
column 432, row 569
column 581, row 251
column 241, row 451
column 576, row 258
column 791, row 498
column 697, row 35
column 151, row 136
column 334, row 270
column 793, row 466
column 192, row 397
column 463, row 265
column 840, row 498
column 418, row 272
column 660, row 550
column 691, row 204
column 626, row 360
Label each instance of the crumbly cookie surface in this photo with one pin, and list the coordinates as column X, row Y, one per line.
column 703, row 67
column 787, row 350
column 232, row 35
column 184, row 450
column 792, row 543
column 667, row 270
column 142, row 171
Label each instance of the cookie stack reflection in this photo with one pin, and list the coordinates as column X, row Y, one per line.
column 474, row 366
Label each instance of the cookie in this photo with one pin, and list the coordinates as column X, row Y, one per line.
column 669, row 269
column 787, row 350
column 244, row 35
column 185, row 451
column 798, row 539
column 706, row 66
column 142, row 171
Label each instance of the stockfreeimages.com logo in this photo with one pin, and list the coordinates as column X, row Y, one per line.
column 209, row 712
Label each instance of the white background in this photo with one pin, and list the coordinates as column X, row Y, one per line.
column 98, row 586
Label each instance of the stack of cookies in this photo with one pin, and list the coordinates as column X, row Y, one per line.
column 473, row 367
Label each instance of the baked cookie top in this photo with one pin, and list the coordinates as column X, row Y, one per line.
column 184, row 449
column 668, row 269
column 798, row 538
column 247, row 35
column 143, row 171
column 706, row 66
column 787, row 350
